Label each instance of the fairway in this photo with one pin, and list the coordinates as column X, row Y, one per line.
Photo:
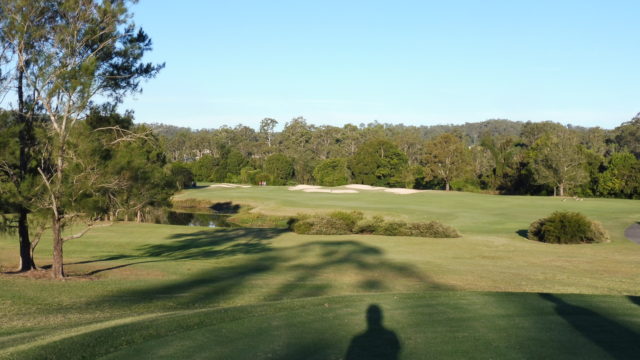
column 162, row 291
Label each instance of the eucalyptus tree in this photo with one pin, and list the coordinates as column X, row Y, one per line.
column 557, row 161
column 447, row 158
column 84, row 50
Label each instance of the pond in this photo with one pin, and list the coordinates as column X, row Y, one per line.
column 210, row 219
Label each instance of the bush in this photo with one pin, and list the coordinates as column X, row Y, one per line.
column 350, row 219
column 432, row 229
column 564, row 227
column 341, row 223
column 368, row 226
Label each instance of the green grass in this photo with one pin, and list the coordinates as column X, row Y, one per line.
column 161, row 291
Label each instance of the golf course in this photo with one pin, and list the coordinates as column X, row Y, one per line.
column 165, row 291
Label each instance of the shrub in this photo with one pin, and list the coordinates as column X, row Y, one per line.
column 341, row 223
column 393, row 228
column 321, row 225
column 350, row 219
column 567, row 228
column 368, row 226
column 432, row 229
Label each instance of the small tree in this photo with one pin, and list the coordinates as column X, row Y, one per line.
column 446, row 158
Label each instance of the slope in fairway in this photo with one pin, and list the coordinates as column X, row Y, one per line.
column 448, row 325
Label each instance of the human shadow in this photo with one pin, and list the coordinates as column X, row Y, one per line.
column 616, row 339
column 523, row 233
column 634, row 299
column 375, row 343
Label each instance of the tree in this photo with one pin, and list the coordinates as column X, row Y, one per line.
column 378, row 162
column 84, row 49
column 557, row 161
column 267, row 125
column 446, row 158
column 332, row 172
column 280, row 168
column 627, row 136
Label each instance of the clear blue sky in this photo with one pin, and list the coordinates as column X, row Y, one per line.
column 411, row 62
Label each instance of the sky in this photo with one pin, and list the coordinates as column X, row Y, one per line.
column 412, row 62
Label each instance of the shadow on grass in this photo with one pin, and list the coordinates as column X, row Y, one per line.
column 304, row 270
column 634, row 299
column 523, row 233
column 376, row 342
column 616, row 339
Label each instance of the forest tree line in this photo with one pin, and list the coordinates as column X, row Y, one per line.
column 496, row 156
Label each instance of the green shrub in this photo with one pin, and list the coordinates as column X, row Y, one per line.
column 341, row 223
column 567, row 228
column 368, row 226
column 350, row 219
column 321, row 225
column 432, row 229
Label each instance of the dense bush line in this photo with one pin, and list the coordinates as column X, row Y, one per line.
column 343, row 223
column 495, row 156
column 563, row 227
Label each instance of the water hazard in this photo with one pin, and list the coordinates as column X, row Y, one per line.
column 210, row 219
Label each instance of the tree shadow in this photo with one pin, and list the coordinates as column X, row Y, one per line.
column 302, row 270
column 376, row 342
column 634, row 299
column 523, row 233
column 617, row 340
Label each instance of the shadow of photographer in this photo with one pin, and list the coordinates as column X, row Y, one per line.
column 377, row 342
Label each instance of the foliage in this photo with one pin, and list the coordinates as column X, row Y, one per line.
column 377, row 162
column 332, row 172
column 342, row 223
column 280, row 169
column 446, row 158
column 567, row 228
column 557, row 161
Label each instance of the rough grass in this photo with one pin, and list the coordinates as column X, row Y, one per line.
column 135, row 289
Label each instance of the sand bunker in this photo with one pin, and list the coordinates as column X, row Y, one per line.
column 228, row 186
column 351, row 189
column 363, row 187
column 402, row 191
column 304, row 187
column 334, row 191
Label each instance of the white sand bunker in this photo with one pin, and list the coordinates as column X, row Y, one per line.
column 363, row 187
column 304, row 187
column 224, row 185
column 402, row 191
column 351, row 189
column 320, row 189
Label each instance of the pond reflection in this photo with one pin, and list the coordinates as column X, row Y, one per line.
column 195, row 219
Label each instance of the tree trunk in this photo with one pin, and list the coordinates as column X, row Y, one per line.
column 561, row 188
column 58, row 266
column 139, row 216
column 446, row 186
column 26, row 256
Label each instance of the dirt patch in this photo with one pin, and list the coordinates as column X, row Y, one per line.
column 633, row 233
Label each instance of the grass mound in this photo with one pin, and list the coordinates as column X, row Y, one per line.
column 565, row 227
column 354, row 222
